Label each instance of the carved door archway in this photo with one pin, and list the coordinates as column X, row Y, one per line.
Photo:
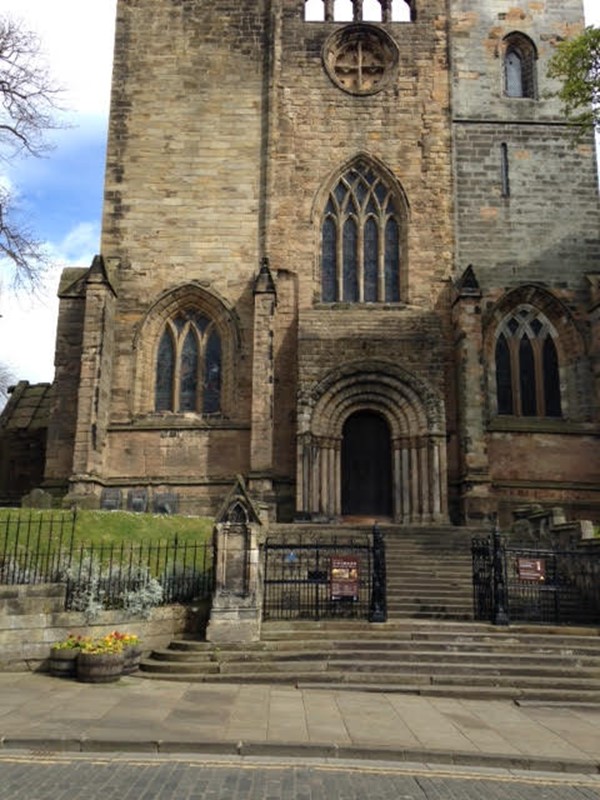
column 366, row 465
column 378, row 405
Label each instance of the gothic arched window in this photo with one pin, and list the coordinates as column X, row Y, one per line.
column 519, row 66
column 188, row 365
column 361, row 239
column 527, row 369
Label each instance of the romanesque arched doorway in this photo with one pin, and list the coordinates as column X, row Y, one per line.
column 372, row 441
column 366, row 465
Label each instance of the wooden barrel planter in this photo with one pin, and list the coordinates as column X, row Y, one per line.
column 133, row 656
column 100, row 667
column 63, row 662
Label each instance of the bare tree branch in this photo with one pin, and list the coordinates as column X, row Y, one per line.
column 24, row 254
column 28, row 103
column 7, row 379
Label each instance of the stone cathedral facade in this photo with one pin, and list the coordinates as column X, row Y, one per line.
column 350, row 252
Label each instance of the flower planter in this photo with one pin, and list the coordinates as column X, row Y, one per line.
column 133, row 656
column 100, row 667
column 63, row 661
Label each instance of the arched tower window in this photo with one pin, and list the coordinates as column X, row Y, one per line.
column 188, row 365
column 520, row 56
column 527, row 367
column 361, row 239
column 360, row 10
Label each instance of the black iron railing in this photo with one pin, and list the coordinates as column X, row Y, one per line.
column 42, row 549
column 333, row 579
column 36, row 548
column 120, row 576
column 537, row 585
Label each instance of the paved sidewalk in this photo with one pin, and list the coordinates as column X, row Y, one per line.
column 39, row 712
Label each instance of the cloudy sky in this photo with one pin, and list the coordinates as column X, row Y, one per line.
column 61, row 194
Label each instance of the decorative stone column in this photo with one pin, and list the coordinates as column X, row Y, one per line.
column 594, row 318
column 260, row 479
column 236, row 611
column 95, row 383
column 474, row 486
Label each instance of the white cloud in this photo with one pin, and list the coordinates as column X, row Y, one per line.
column 28, row 323
column 77, row 38
column 79, row 246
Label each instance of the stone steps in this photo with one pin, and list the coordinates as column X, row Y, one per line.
column 456, row 659
column 429, row 645
column 428, row 574
column 543, row 664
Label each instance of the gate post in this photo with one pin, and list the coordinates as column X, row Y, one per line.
column 236, row 611
column 378, row 579
column 499, row 577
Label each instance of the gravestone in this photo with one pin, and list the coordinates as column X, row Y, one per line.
column 110, row 499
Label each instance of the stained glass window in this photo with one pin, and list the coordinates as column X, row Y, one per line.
column 503, row 376
column 212, row 374
column 188, row 383
column 519, row 66
column 165, row 370
column 527, row 366
column 361, row 240
column 188, row 365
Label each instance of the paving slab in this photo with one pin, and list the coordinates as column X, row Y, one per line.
column 39, row 712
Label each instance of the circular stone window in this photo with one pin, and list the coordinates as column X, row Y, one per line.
column 360, row 59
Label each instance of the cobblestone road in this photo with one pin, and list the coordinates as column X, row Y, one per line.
column 119, row 777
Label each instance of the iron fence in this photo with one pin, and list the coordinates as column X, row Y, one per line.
column 535, row 585
column 483, row 579
column 325, row 580
column 43, row 550
column 126, row 575
column 36, row 548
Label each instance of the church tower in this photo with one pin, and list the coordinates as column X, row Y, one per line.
column 350, row 253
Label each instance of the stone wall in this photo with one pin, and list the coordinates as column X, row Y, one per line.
column 545, row 227
column 228, row 132
column 32, row 619
column 527, row 216
column 65, row 388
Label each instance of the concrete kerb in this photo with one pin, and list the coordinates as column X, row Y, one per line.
column 294, row 750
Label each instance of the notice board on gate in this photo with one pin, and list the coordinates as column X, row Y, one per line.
column 531, row 569
column 344, row 578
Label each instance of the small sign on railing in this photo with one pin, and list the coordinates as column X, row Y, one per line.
column 344, row 578
column 531, row 569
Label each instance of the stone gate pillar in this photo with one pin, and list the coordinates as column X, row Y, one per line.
column 236, row 611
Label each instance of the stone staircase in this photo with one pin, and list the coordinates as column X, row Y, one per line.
column 468, row 660
column 428, row 646
column 429, row 573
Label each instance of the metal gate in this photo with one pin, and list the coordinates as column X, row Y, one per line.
column 325, row 580
column 540, row 585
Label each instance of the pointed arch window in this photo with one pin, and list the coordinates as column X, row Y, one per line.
column 527, row 366
column 520, row 57
column 361, row 239
column 188, row 365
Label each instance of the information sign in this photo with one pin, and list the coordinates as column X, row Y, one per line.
column 531, row 569
column 344, row 578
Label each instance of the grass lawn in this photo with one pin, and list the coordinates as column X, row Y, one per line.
column 32, row 527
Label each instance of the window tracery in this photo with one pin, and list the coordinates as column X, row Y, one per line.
column 527, row 366
column 188, row 364
column 361, row 239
